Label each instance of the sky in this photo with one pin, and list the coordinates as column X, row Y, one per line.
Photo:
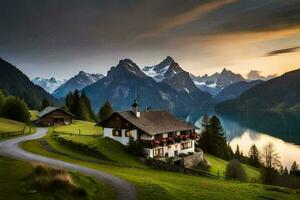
column 59, row 38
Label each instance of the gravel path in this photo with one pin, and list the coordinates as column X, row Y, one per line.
column 11, row 148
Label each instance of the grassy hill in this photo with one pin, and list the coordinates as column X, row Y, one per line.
column 155, row 184
column 16, row 184
column 82, row 127
column 7, row 125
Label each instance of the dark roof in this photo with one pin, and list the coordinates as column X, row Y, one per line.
column 51, row 109
column 154, row 122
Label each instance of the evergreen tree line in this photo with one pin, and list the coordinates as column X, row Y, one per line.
column 80, row 106
column 12, row 107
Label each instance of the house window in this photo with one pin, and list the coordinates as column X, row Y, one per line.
column 171, row 134
column 186, row 145
column 159, row 136
column 128, row 133
column 117, row 133
column 158, row 152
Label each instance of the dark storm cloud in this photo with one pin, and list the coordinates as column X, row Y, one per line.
column 283, row 51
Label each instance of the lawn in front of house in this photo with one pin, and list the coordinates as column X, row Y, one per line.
column 15, row 184
column 156, row 184
column 79, row 127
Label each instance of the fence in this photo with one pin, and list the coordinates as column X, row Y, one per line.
column 57, row 133
column 14, row 133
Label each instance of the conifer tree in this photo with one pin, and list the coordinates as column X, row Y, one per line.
column 105, row 110
column 2, row 99
column 45, row 103
column 88, row 105
column 254, row 156
column 294, row 168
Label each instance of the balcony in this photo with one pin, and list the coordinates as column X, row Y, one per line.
column 168, row 141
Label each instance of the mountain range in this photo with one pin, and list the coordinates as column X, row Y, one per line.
column 127, row 81
column 15, row 82
column 281, row 93
column 79, row 81
column 48, row 84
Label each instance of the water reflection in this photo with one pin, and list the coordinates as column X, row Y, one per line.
column 247, row 128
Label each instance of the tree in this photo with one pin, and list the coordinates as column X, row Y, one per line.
column 294, row 168
column 270, row 156
column 78, row 107
column 254, row 156
column 88, row 105
column 235, row 170
column 2, row 99
column 69, row 100
column 105, row 110
column 213, row 140
column 205, row 122
column 45, row 103
column 237, row 153
column 16, row 109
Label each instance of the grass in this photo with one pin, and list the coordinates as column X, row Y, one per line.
column 155, row 184
column 82, row 127
column 219, row 165
column 7, row 125
column 19, row 180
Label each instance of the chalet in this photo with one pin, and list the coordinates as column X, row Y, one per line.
column 51, row 116
column 162, row 134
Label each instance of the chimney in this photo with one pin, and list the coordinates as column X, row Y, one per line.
column 135, row 108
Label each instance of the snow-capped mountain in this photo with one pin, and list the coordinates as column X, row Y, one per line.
column 216, row 82
column 158, row 72
column 49, row 85
column 78, row 82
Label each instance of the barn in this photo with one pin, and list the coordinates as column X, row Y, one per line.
column 51, row 116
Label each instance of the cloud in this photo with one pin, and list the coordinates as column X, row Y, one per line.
column 283, row 51
column 256, row 75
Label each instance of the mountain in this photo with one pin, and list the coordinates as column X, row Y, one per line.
column 78, row 82
column 216, row 82
column 169, row 72
column 50, row 85
column 15, row 82
column 235, row 90
column 256, row 75
column 127, row 81
column 281, row 93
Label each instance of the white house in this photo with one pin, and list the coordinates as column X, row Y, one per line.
column 162, row 134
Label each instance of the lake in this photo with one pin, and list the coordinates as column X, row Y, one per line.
column 247, row 128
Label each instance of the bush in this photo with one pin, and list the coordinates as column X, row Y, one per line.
column 203, row 165
column 16, row 109
column 182, row 155
column 235, row 170
column 136, row 148
column 170, row 159
column 190, row 153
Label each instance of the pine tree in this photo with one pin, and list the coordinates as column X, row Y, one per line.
column 105, row 110
column 2, row 99
column 270, row 156
column 254, row 156
column 88, row 105
column 286, row 172
column 69, row 100
column 16, row 109
column 237, row 153
column 294, row 168
column 45, row 103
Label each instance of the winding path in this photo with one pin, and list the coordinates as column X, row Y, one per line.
column 11, row 148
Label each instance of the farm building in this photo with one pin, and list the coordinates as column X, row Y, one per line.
column 51, row 116
column 162, row 134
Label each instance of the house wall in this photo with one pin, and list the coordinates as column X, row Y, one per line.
column 108, row 132
column 50, row 119
column 170, row 149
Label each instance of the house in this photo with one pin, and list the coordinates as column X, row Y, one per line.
column 162, row 134
column 51, row 116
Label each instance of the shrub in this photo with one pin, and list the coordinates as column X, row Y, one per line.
column 170, row 159
column 235, row 170
column 191, row 153
column 182, row 155
column 204, row 165
column 16, row 109
column 135, row 148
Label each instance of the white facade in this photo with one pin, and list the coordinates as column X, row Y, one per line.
column 123, row 139
column 172, row 150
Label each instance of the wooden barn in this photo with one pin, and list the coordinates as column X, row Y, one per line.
column 52, row 116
